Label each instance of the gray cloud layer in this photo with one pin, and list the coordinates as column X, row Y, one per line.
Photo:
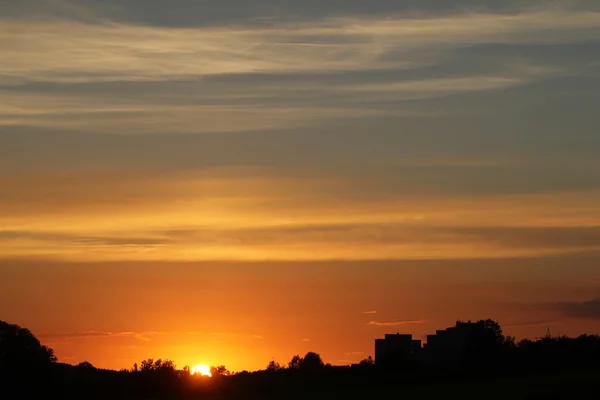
column 589, row 309
column 415, row 71
column 292, row 107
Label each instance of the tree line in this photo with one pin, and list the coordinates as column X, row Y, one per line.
column 23, row 360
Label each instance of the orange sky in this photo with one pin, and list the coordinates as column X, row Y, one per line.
column 243, row 314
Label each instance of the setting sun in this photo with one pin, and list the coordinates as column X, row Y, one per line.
column 202, row 370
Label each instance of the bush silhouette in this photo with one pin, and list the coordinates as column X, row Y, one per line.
column 20, row 350
column 311, row 362
column 219, row 371
column 85, row 365
column 295, row 362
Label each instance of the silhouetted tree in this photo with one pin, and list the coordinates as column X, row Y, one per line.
column 219, row 371
column 311, row 362
column 147, row 365
column 510, row 342
column 167, row 365
column 559, row 352
column 481, row 344
column 295, row 362
column 21, row 350
column 274, row 366
column 367, row 362
column 85, row 365
column 486, row 346
column 150, row 365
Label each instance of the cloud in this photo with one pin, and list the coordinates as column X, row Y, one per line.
column 555, row 237
column 306, row 339
column 259, row 337
column 88, row 241
column 529, row 323
column 395, row 322
column 342, row 362
column 143, row 336
column 103, row 114
column 370, row 312
column 40, row 50
column 354, row 353
column 539, row 237
column 229, row 78
column 248, row 220
column 589, row 309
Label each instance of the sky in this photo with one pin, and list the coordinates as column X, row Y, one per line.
column 231, row 182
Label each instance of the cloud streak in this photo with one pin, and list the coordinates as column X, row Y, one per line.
column 589, row 309
column 388, row 241
column 143, row 336
column 308, row 92
column 41, row 51
column 529, row 323
column 227, row 219
column 398, row 322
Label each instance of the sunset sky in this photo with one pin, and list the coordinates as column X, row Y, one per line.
column 233, row 181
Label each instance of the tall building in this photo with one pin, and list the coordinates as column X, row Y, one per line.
column 447, row 346
column 462, row 343
column 396, row 349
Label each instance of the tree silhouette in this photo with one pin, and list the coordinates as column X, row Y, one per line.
column 274, row 366
column 486, row 345
column 85, row 365
column 367, row 362
column 311, row 362
column 150, row 365
column 295, row 362
column 474, row 345
column 219, row 371
column 20, row 349
column 147, row 365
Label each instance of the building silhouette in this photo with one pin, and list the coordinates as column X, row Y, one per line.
column 396, row 349
column 445, row 347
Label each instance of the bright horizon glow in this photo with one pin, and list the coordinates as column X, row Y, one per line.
column 202, row 370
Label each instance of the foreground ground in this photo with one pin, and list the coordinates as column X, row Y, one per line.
column 342, row 384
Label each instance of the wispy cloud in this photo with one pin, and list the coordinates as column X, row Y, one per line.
column 370, row 312
column 354, row 353
column 306, row 339
column 343, row 362
column 259, row 337
column 40, row 50
column 143, row 336
column 395, row 322
column 209, row 115
column 589, row 309
column 244, row 229
column 529, row 323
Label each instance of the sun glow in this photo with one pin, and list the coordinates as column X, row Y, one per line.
column 202, row 370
